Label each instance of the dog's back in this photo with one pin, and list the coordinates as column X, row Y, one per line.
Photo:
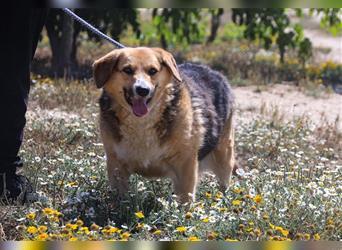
column 211, row 95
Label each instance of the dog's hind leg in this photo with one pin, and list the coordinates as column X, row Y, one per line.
column 222, row 159
column 185, row 179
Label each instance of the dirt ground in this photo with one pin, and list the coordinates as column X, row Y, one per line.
column 290, row 101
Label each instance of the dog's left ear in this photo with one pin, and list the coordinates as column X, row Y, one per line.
column 169, row 61
column 103, row 67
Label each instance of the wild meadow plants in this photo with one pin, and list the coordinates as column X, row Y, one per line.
column 288, row 185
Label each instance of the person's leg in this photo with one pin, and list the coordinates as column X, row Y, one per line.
column 20, row 29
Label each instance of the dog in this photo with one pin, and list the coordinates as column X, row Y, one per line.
column 158, row 119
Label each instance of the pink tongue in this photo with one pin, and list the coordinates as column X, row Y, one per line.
column 139, row 107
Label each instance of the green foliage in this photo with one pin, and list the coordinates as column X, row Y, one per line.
column 273, row 26
column 178, row 26
column 305, row 51
column 231, row 31
column 110, row 21
column 331, row 19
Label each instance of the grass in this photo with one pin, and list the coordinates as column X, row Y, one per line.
column 289, row 186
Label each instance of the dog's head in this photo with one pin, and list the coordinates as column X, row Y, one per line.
column 136, row 77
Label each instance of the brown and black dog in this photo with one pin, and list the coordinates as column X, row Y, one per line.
column 160, row 120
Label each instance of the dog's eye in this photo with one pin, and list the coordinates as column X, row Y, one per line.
column 128, row 70
column 152, row 71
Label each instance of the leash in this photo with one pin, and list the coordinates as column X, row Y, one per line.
column 92, row 28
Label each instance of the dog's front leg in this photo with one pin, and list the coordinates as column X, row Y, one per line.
column 118, row 176
column 185, row 180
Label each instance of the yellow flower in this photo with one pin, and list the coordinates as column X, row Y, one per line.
column 31, row 216
column 54, row 236
column 71, row 226
column 56, row 213
column 105, row 231
column 42, row 229
column 73, row 239
column 253, row 208
column 53, row 219
column 230, row 240
column 43, row 236
column 258, row 199
column 257, row 232
column 307, row 236
column 79, row 223
column 237, row 190
column 330, row 222
column 299, row 236
column 72, row 184
column 113, row 230
column 219, row 195
column 236, row 202
column 48, row 211
column 272, row 226
column 65, row 232
column 208, row 194
column 212, row 236
column 284, row 232
column 193, row 238
column 94, row 227
column 140, row 215
column 223, row 209
column 125, row 235
column 32, row 230
column 205, row 220
column 181, row 229
column 317, row 237
column 157, row 232
column 84, row 230
column 188, row 215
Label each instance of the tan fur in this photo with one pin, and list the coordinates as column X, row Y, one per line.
column 139, row 150
column 221, row 160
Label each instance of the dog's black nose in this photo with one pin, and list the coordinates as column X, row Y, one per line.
column 142, row 91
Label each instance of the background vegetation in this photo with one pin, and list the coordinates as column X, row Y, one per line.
column 288, row 186
column 251, row 46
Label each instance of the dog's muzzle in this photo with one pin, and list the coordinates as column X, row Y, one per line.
column 139, row 96
column 141, row 88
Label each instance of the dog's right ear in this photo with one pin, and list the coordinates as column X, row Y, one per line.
column 103, row 67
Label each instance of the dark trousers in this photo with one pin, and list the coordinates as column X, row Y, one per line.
column 20, row 29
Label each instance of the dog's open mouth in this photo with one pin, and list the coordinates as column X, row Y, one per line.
column 138, row 104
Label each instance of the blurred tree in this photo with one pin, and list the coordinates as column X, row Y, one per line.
column 331, row 18
column 177, row 25
column 184, row 26
column 60, row 30
column 63, row 32
column 109, row 21
column 274, row 26
column 215, row 23
column 267, row 25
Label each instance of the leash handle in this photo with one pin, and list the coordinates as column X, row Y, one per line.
column 92, row 28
